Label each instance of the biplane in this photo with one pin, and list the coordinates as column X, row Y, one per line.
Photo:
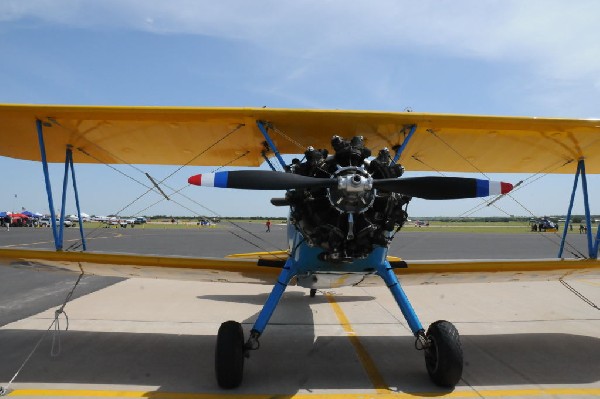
column 346, row 194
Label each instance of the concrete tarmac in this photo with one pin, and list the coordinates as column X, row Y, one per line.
column 155, row 338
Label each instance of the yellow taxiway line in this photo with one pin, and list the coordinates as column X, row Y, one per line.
column 365, row 359
column 497, row 393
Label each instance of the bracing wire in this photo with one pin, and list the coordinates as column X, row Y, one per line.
column 164, row 196
column 520, row 185
column 578, row 294
column 55, row 349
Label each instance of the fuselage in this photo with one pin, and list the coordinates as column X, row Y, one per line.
column 316, row 273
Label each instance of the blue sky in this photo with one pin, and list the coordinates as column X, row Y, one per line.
column 529, row 58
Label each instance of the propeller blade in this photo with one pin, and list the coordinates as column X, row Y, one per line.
column 259, row 180
column 443, row 188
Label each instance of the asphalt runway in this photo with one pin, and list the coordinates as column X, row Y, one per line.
column 155, row 338
column 229, row 238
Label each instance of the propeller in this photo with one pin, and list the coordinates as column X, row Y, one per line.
column 443, row 188
column 259, row 180
column 432, row 188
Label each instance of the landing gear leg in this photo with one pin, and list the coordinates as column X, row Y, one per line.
column 231, row 349
column 441, row 343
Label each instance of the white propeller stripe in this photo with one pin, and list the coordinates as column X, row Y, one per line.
column 208, row 179
column 495, row 188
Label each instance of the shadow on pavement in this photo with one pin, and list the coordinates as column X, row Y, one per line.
column 292, row 359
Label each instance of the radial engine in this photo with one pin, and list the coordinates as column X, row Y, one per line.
column 349, row 220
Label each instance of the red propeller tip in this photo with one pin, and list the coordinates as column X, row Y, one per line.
column 505, row 188
column 196, row 180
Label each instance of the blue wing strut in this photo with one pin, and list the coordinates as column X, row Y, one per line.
column 58, row 233
column 592, row 245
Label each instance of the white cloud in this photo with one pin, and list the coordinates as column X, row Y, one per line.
column 558, row 38
column 551, row 40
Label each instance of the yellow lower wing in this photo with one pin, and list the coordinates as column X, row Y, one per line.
column 249, row 271
column 273, row 255
column 146, row 266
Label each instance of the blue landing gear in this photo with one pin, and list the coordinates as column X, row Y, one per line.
column 231, row 349
column 441, row 343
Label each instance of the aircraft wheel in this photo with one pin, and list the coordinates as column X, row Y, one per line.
column 444, row 358
column 313, row 292
column 229, row 355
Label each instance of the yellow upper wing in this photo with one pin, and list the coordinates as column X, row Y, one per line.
column 215, row 136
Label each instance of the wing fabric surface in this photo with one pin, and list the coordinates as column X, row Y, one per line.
column 145, row 266
column 248, row 271
column 215, row 136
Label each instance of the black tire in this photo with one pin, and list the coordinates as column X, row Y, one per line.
column 444, row 358
column 313, row 292
column 229, row 355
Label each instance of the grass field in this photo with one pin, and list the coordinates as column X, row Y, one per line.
column 512, row 227
column 471, row 227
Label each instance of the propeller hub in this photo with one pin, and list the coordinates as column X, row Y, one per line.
column 354, row 192
column 355, row 183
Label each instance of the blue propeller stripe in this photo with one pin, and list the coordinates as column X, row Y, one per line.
column 483, row 188
column 221, row 179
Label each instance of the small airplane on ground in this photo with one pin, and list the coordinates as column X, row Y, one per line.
column 347, row 196
column 543, row 225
